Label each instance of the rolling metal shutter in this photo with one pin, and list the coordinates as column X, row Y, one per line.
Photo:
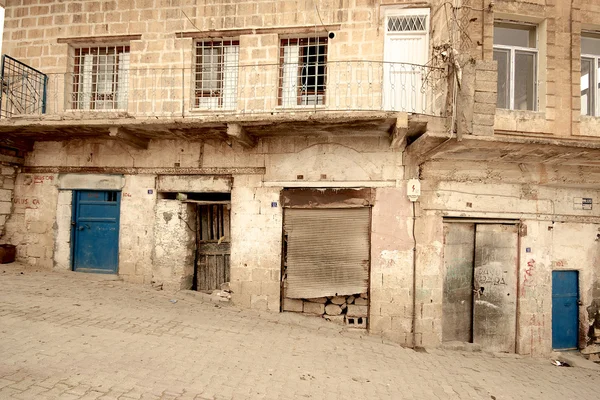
column 327, row 252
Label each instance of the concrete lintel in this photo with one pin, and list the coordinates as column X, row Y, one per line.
column 129, row 138
column 336, row 184
column 400, row 131
column 239, row 134
column 91, row 182
column 145, row 171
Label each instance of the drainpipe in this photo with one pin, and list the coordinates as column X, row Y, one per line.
column 414, row 285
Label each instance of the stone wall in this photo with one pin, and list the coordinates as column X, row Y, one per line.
column 7, row 184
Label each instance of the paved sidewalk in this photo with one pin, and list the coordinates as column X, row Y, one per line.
column 78, row 336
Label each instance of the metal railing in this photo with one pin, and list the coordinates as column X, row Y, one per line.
column 252, row 89
column 23, row 89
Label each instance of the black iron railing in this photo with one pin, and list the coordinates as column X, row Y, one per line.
column 23, row 89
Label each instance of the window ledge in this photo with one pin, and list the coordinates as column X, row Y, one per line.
column 521, row 121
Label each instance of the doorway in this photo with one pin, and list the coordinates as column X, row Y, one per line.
column 406, row 49
column 565, row 310
column 213, row 245
column 95, row 233
column 480, row 284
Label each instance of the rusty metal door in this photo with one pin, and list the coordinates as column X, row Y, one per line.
column 214, row 246
column 495, row 287
column 327, row 252
column 457, row 305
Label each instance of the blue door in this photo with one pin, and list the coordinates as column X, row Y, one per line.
column 95, row 245
column 565, row 310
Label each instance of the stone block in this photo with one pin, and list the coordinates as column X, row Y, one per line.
column 320, row 300
column 294, row 305
column 314, row 308
column 361, row 302
column 8, row 170
column 486, row 97
column 5, row 195
column 481, row 130
column 37, row 251
column 483, row 119
column 339, row 300
column 350, row 299
column 5, row 207
column 333, row 309
column 357, row 311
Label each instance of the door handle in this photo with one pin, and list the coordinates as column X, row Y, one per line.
column 81, row 228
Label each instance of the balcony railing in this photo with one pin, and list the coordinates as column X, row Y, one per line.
column 247, row 89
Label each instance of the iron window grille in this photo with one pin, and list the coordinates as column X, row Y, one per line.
column 100, row 78
column 590, row 82
column 407, row 23
column 515, row 50
column 216, row 77
column 303, row 72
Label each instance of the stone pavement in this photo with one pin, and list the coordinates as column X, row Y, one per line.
column 78, row 336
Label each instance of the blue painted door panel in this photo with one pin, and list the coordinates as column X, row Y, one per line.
column 96, row 231
column 565, row 320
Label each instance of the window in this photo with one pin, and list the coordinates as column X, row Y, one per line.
column 303, row 73
column 515, row 50
column 100, row 78
column 217, row 74
column 590, row 68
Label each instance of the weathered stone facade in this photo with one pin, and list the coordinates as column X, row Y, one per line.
column 475, row 162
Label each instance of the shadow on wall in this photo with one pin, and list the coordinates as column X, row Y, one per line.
column 593, row 310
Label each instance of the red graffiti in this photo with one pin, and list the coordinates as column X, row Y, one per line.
column 125, row 194
column 37, row 179
column 528, row 275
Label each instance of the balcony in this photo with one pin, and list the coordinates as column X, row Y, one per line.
column 367, row 94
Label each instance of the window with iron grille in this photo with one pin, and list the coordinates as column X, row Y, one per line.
column 100, row 78
column 303, row 75
column 217, row 64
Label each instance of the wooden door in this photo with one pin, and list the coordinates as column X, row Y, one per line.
column 214, row 246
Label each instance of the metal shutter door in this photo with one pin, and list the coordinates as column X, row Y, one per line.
column 327, row 252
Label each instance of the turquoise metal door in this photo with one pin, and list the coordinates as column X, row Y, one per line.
column 95, row 233
column 565, row 321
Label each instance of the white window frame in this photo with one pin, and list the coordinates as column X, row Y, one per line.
column 594, row 90
column 595, row 79
column 512, row 51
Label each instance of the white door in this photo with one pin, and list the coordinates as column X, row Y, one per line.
column 405, row 54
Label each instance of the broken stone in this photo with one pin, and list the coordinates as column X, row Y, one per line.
column 314, row 308
column 225, row 287
column 339, row 300
column 337, row 319
column 364, row 296
column 361, row 302
column 350, row 300
column 321, row 300
column 343, row 306
column 294, row 305
column 357, row 311
column 333, row 309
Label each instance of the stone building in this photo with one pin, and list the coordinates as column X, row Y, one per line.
column 274, row 145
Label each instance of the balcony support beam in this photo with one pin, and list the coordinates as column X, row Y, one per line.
column 400, row 130
column 129, row 138
column 239, row 134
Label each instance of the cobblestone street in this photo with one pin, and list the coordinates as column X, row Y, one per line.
column 77, row 336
